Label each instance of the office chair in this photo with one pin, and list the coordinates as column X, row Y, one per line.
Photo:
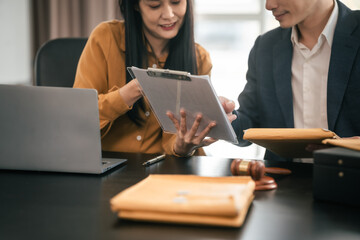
column 56, row 62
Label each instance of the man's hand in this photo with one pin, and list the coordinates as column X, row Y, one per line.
column 314, row 147
column 229, row 107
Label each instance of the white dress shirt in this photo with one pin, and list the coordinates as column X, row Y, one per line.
column 310, row 76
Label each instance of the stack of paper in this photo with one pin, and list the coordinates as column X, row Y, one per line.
column 222, row 201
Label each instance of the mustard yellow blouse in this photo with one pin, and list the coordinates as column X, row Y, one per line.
column 102, row 67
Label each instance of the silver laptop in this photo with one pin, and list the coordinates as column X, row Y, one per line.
column 51, row 129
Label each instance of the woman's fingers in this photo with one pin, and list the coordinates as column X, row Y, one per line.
column 173, row 119
column 187, row 139
column 183, row 128
column 208, row 141
column 192, row 133
column 199, row 139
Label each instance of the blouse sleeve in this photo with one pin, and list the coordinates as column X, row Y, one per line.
column 92, row 72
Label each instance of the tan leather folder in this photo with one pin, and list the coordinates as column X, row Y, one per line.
column 350, row 143
column 189, row 199
column 288, row 142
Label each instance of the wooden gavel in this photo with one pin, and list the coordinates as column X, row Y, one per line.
column 254, row 168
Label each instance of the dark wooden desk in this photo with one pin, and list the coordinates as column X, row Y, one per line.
column 35, row 205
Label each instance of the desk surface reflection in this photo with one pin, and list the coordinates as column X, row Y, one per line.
column 38, row 205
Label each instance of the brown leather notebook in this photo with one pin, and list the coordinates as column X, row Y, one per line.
column 189, row 199
column 288, row 142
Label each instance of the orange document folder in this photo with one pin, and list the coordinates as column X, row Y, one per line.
column 188, row 199
column 288, row 142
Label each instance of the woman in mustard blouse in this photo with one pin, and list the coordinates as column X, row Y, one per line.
column 154, row 33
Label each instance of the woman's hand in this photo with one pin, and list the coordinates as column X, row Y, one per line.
column 187, row 140
column 131, row 92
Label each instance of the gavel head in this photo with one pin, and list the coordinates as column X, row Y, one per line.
column 245, row 167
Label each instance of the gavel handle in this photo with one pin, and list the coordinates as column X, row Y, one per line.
column 276, row 170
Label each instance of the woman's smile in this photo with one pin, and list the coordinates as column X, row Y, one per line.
column 168, row 27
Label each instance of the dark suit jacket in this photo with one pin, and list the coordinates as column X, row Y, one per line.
column 266, row 101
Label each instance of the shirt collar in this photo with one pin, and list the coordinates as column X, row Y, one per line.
column 328, row 31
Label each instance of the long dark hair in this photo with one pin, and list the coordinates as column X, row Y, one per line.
column 181, row 56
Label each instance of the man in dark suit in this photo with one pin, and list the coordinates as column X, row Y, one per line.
column 306, row 73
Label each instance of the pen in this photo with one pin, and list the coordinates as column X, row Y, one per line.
column 154, row 160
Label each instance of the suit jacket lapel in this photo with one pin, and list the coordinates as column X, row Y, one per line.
column 343, row 52
column 282, row 57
